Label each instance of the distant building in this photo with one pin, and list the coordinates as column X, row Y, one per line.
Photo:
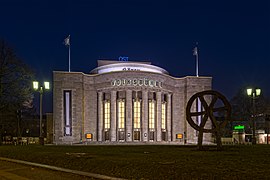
column 124, row 101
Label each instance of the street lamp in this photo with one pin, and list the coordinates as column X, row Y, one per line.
column 40, row 90
column 253, row 93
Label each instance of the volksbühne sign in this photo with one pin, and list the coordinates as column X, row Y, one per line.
column 136, row 82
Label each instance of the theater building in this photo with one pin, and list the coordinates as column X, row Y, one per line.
column 124, row 102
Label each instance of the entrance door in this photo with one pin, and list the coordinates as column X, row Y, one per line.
column 152, row 135
column 137, row 135
column 163, row 136
column 107, row 135
column 121, row 135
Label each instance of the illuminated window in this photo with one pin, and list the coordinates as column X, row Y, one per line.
column 88, row 136
column 67, row 113
column 107, row 117
column 121, row 114
column 163, row 116
column 137, row 113
column 151, row 114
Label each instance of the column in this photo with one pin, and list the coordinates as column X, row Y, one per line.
column 169, row 119
column 158, row 116
column 100, row 115
column 113, row 116
column 129, row 133
column 145, row 133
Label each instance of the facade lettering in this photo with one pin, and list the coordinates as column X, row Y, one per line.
column 136, row 82
column 130, row 69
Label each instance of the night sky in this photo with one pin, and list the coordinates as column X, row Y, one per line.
column 233, row 37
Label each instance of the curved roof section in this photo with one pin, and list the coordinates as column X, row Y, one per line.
column 105, row 66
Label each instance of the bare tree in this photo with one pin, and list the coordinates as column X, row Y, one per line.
column 15, row 83
column 242, row 106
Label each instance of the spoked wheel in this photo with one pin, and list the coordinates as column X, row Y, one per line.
column 218, row 104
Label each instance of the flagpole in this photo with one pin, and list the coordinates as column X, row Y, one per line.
column 197, row 59
column 69, row 58
column 67, row 43
column 198, row 102
column 197, row 65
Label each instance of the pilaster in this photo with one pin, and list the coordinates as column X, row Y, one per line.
column 113, row 116
column 158, row 96
column 129, row 133
column 169, row 119
column 145, row 133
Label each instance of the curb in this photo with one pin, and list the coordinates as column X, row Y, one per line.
column 87, row 174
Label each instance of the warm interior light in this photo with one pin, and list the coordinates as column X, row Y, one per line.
column 258, row 92
column 249, row 91
column 47, row 85
column 179, row 136
column 35, row 85
column 88, row 136
column 121, row 114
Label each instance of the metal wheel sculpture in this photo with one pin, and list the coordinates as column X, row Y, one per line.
column 208, row 111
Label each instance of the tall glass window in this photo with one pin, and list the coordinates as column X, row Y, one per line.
column 137, row 113
column 67, row 113
column 121, row 114
column 151, row 111
column 107, row 112
column 163, row 115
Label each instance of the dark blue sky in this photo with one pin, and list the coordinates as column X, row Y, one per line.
column 233, row 36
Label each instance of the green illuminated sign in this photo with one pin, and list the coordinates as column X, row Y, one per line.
column 239, row 127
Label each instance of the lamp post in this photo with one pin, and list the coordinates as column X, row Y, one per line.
column 253, row 93
column 41, row 91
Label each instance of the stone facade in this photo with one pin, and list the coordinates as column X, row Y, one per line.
column 90, row 91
